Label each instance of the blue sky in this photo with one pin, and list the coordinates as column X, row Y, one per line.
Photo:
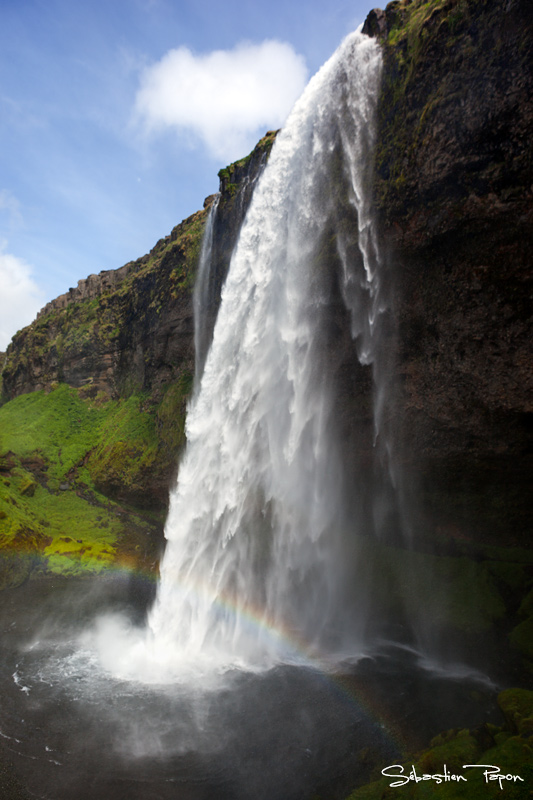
column 116, row 115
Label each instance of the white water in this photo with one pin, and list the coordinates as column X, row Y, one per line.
column 201, row 296
column 251, row 570
column 254, row 571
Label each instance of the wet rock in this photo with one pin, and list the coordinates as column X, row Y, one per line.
column 376, row 23
column 453, row 193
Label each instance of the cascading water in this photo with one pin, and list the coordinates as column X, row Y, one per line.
column 254, row 549
column 202, row 296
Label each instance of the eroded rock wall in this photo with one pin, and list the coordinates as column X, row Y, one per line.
column 454, row 195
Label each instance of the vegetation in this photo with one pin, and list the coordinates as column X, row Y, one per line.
column 507, row 746
column 413, row 26
column 228, row 175
column 64, row 457
column 470, row 593
column 85, row 472
column 484, row 592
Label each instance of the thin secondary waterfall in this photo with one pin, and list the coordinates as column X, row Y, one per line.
column 202, row 296
column 254, row 554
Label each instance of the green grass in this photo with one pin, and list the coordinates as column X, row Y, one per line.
column 59, row 450
column 59, row 427
column 60, row 529
column 127, row 443
column 264, row 145
column 111, row 441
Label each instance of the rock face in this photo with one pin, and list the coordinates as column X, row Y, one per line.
column 86, row 337
column 454, row 196
column 89, row 288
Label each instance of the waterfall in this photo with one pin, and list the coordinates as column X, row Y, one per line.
column 253, row 567
column 202, row 297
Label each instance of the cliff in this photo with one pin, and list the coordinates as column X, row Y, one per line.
column 131, row 329
column 454, row 197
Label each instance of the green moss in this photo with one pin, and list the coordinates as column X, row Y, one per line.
column 127, row 447
column 49, row 504
column 41, row 523
column 412, row 20
column 119, row 442
column 263, row 146
column 15, row 568
column 514, row 756
column 513, row 576
column 458, row 749
column 190, row 242
column 498, row 746
column 139, row 441
column 413, row 26
column 517, row 706
column 28, row 487
column 66, row 534
column 171, row 414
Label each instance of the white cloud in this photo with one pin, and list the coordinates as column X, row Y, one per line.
column 20, row 297
column 223, row 97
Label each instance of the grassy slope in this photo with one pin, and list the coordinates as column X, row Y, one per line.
column 54, row 449
column 76, row 467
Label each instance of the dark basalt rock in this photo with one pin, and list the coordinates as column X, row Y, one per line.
column 376, row 24
column 454, row 198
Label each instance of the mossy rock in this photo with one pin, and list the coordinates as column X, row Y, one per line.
column 46, row 439
column 460, row 748
column 513, row 755
column 456, row 593
column 517, row 708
